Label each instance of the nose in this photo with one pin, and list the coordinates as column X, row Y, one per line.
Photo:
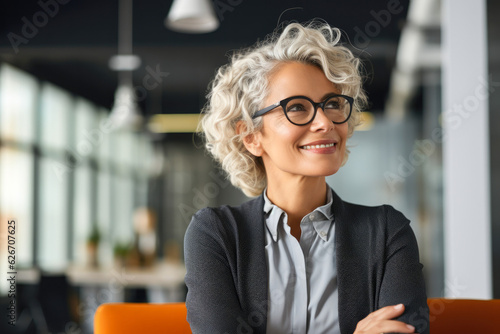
column 321, row 122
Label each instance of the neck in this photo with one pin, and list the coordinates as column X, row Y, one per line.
column 297, row 197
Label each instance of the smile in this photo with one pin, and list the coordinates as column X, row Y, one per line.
column 310, row 147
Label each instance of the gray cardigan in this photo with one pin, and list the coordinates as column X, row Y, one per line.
column 227, row 278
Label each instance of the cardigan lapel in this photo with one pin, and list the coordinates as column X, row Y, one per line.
column 350, row 269
column 253, row 234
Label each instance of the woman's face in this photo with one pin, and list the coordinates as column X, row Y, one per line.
column 288, row 149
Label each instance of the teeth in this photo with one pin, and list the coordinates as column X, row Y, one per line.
column 308, row 147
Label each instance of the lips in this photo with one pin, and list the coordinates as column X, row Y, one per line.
column 320, row 144
column 310, row 147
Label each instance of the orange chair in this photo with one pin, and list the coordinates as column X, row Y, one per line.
column 133, row 318
column 449, row 316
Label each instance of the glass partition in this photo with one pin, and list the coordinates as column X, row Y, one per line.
column 18, row 95
column 53, row 216
column 54, row 114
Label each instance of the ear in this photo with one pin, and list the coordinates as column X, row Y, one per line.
column 251, row 141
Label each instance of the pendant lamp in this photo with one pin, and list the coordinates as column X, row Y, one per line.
column 192, row 16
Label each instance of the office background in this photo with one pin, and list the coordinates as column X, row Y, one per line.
column 69, row 176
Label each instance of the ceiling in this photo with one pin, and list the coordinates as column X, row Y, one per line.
column 72, row 47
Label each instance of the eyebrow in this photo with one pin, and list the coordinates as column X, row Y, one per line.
column 329, row 94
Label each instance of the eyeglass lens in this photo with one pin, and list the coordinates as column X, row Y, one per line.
column 301, row 111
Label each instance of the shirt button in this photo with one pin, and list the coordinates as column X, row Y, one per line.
column 322, row 233
column 312, row 216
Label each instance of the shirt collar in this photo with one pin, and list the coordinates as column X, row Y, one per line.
column 321, row 218
column 326, row 209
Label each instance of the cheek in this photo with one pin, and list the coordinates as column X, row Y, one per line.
column 342, row 131
column 284, row 131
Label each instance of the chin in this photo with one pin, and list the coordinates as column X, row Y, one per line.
column 332, row 172
column 326, row 171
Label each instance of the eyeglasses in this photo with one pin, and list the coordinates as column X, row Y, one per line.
column 301, row 110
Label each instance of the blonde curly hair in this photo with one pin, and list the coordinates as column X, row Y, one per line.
column 241, row 86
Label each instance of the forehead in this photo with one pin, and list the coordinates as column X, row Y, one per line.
column 295, row 78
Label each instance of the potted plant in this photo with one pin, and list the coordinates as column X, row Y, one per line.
column 92, row 246
column 120, row 252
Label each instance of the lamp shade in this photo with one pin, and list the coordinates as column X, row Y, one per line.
column 125, row 112
column 192, row 16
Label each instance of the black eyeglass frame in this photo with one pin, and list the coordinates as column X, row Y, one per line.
column 284, row 102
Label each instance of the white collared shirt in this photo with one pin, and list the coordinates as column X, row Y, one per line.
column 303, row 294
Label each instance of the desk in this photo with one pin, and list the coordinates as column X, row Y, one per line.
column 163, row 282
column 164, row 275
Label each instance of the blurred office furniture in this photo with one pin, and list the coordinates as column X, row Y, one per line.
column 56, row 298
column 163, row 283
column 164, row 275
column 449, row 316
column 130, row 318
column 45, row 305
column 167, row 275
column 29, row 314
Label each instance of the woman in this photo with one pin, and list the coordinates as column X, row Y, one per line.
column 296, row 259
